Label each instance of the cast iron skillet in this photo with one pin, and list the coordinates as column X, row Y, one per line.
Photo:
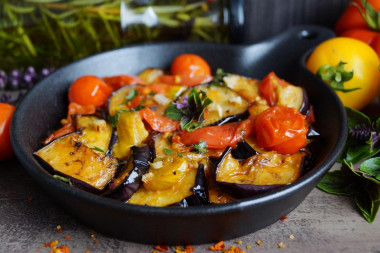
column 42, row 108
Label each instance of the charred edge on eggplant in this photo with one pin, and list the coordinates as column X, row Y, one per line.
column 200, row 196
column 141, row 158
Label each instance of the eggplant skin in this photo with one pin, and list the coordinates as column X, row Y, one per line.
column 243, row 151
column 141, row 157
column 200, row 196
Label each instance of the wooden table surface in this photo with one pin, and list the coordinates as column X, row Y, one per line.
column 322, row 223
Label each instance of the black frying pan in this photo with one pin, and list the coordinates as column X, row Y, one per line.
column 43, row 107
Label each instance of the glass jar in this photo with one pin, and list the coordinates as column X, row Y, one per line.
column 52, row 33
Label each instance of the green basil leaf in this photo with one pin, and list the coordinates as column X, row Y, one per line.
column 368, row 201
column 167, row 151
column 355, row 118
column 173, row 112
column 98, row 149
column 372, row 168
column 338, row 182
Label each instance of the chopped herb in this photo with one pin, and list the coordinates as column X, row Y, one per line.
column 131, row 95
column 218, row 78
column 152, row 93
column 63, row 179
column 121, row 163
column 191, row 116
column 114, row 119
column 180, row 155
column 98, row 149
column 167, row 151
column 201, row 146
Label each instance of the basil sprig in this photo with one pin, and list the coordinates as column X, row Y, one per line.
column 191, row 116
column 359, row 175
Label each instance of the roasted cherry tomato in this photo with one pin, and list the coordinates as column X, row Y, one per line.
column 359, row 58
column 360, row 22
column 89, row 90
column 190, row 65
column 217, row 137
column 6, row 112
column 281, row 129
column 158, row 122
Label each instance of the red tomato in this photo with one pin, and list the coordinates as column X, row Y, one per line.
column 190, row 65
column 66, row 129
column 281, row 129
column 118, row 81
column 158, row 122
column 268, row 87
column 217, row 137
column 6, row 112
column 89, row 90
column 352, row 24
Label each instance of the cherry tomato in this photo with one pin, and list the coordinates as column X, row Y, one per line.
column 89, row 90
column 190, row 65
column 6, row 112
column 217, row 137
column 158, row 122
column 281, row 129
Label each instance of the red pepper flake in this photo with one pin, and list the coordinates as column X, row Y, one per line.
column 234, row 249
column 284, row 218
column 59, row 230
column 87, row 251
column 92, row 236
column 188, row 249
column 67, row 237
column 162, row 248
column 62, row 249
column 96, row 242
column 219, row 246
column 30, row 198
column 40, row 247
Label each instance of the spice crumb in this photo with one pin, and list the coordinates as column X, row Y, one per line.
column 92, row 236
column 239, row 242
column 87, row 251
column 259, row 242
column 188, row 249
column 248, row 247
column 162, row 248
column 59, row 227
column 284, row 218
column 67, row 237
column 59, row 230
column 96, row 242
column 234, row 249
column 291, row 236
column 40, row 247
column 30, row 198
column 219, row 246
column 281, row 245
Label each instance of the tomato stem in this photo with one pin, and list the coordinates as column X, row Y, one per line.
column 369, row 14
column 335, row 76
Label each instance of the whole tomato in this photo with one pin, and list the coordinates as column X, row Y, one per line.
column 6, row 112
column 360, row 21
column 89, row 90
column 282, row 129
column 358, row 58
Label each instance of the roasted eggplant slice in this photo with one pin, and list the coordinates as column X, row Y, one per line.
column 68, row 157
column 294, row 97
column 257, row 174
column 150, row 75
column 168, row 181
column 96, row 132
column 129, row 180
column 119, row 98
column 227, row 105
column 130, row 130
column 248, row 88
column 200, row 195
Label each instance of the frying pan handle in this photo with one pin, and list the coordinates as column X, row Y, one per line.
column 286, row 49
